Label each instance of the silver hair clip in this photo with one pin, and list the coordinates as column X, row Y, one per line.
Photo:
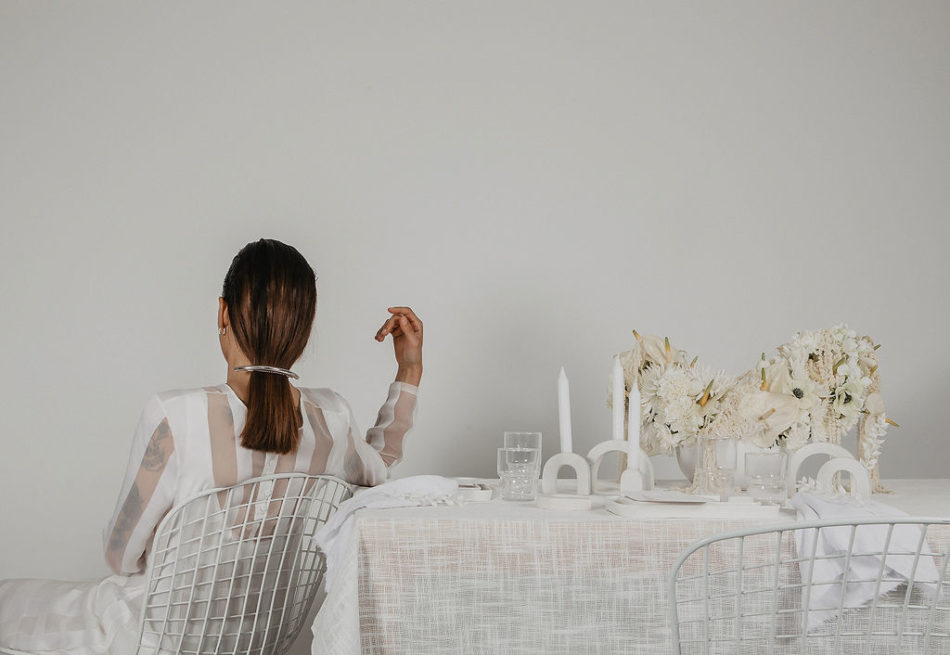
column 268, row 369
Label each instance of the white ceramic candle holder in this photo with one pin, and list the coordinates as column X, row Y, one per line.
column 549, row 497
column 633, row 480
column 799, row 456
column 596, row 456
column 860, row 475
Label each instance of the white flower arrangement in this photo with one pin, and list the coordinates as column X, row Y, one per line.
column 815, row 389
column 679, row 400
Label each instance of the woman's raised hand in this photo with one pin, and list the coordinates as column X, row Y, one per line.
column 406, row 330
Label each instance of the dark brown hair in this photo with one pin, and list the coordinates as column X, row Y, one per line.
column 271, row 294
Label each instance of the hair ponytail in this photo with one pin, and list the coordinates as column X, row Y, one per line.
column 272, row 420
column 270, row 291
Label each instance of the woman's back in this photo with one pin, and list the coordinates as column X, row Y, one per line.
column 188, row 441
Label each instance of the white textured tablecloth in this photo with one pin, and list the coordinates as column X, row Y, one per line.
column 512, row 578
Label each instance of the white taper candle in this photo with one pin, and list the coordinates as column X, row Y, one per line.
column 617, row 400
column 564, row 411
column 633, row 428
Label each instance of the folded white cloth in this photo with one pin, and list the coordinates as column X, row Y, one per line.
column 417, row 490
column 828, row 574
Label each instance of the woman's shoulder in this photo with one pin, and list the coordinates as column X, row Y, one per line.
column 326, row 399
column 180, row 397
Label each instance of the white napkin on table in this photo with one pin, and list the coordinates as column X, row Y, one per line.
column 824, row 598
column 414, row 491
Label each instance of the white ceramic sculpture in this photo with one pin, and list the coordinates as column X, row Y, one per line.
column 550, row 498
column 799, row 456
column 860, row 475
column 599, row 452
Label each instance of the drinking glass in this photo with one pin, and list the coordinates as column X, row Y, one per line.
column 523, row 440
column 765, row 473
column 721, row 481
column 715, row 471
column 519, row 469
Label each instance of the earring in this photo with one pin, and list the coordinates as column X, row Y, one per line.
column 222, row 331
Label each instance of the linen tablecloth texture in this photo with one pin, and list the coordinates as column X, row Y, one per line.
column 415, row 491
column 511, row 578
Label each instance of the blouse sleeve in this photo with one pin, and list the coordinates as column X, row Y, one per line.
column 370, row 465
column 147, row 493
column 393, row 422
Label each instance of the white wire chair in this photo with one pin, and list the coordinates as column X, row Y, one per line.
column 236, row 570
column 757, row 591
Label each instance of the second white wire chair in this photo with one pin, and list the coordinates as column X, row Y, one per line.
column 236, row 570
column 757, row 591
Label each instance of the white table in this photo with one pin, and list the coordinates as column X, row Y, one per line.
column 512, row 578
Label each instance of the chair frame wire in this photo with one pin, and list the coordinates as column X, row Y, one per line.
column 933, row 607
column 877, row 584
column 217, row 564
column 262, row 545
column 217, row 646
column 772, row 628
column 844, row 582
column 910, row 583
column 771, row 568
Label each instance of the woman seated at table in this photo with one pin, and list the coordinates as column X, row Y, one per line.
column 191, row 440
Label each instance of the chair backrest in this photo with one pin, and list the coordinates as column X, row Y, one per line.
column 868, row 586
column 236, row 570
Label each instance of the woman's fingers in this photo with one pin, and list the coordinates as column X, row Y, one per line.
column 387, row 328
column 410, row 315
column 403, row 322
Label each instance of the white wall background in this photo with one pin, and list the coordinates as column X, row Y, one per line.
column 535, row 178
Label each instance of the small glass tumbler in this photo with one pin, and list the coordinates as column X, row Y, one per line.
column 523, row 440
column 721, row 481
column 519, row 469
column 765, row 474
column 715, row 471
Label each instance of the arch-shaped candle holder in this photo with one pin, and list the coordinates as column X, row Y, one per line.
column 550, row 498
column 860, row 475
column 597, row 454
column 799, row 456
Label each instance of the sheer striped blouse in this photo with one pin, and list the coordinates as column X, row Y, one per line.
column 188, row 441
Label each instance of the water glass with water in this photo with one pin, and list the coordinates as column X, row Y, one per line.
column 765, row 473
column 523, row 440
column 519, row 469
column 715, row 470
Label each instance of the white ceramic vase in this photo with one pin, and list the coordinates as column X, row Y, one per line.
column 686, row 459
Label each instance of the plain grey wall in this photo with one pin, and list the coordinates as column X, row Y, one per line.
column 535, row 178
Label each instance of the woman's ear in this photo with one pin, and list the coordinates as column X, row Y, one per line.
column 223, row 321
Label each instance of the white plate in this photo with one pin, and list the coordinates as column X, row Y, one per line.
column 475, row 490
column 473, row 495
column 627, row 507
column 668, row 496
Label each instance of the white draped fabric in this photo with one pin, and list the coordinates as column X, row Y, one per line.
column 188, row 441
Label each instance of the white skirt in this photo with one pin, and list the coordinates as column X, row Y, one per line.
column 71, row 618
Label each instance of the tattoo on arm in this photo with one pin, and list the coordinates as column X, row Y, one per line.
column 159, row 448
column 129, row 516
